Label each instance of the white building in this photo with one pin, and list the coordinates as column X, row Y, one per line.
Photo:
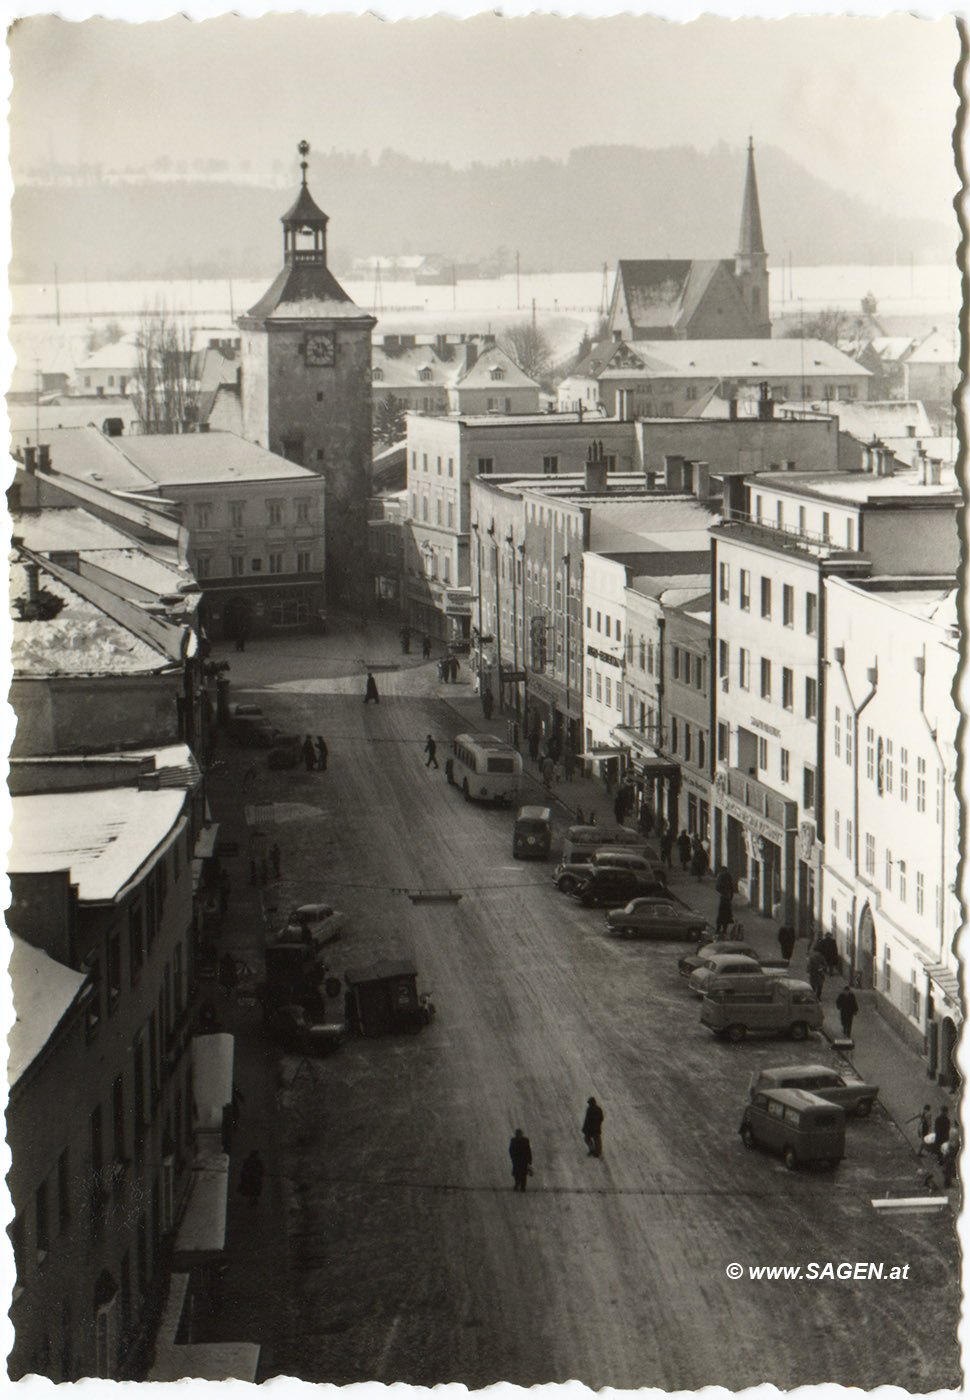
column 891, row 811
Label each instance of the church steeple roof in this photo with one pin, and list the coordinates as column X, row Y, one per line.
column 304, row 212
column 751, row 240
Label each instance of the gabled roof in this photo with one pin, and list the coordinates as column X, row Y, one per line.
column 176, row 459
column 479, row 376
column 665, row 292
column 938, row 348
column 121, row 354
column 44, row 990
column 741, row 359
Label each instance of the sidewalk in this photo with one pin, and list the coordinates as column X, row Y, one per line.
column 878, row 1055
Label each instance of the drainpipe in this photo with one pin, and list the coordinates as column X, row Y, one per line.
column 920, row 665
column 498, row 621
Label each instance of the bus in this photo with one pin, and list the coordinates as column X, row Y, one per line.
column 486, row 770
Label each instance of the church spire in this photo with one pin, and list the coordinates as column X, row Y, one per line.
column 751, row 244
column 304, row 219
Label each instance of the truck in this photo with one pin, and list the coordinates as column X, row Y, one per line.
column 782, row 1007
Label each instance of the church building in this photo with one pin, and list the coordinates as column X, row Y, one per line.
column 306, row 384
column 679, row 299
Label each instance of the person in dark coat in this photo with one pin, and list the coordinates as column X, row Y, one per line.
column 925, row 1120
column 847, row 1007
column 371, row 691
column 941, row 1130
column 724, row 882
column 698, row 859
column 816, row 972
column 619, row 806
column 593, row 1128
column 251, row 1179
column 949, row 1152
column 431, row 749
column 520, row 1150
column 276, row 859
column 487, row 704
column 786, row 941
column 829, row 949
column 323, row 753
column 309, row 754
column 667, row 845
column 725, row 915
column 683, row 850
column 425, row 646
column 534, row 745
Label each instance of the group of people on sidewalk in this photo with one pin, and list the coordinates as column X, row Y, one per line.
column 315, row 754
column 520, row 1148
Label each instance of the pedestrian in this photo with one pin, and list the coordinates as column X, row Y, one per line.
column 371, row 691
column 847, row 1007
column 520, row 1150
column 251, row 1179
column 829, row 949
column 667, row 845
column 568, row 764
column 275, row 859
column 786, row 941
column 548, row 770
column 580, row 816
column 442, row 672
column 431, row 749
column 683, row 850
column 941, row 1131
column 816, row 972
column 725, row 915
column 534, row 745
column 645, row 821
column 698, row 859
column 925, row 1120
column 425, row 646
column 454, row 666
column 593, row 1128
column 619, row 806
column 488, row 704
column 724, row 881
column 323, row 753
column 949, row 1153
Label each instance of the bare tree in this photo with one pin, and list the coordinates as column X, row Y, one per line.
column 529, row 347
column 831, row 324
column 166, row 390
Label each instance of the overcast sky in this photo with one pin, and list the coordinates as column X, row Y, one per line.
column 867, row 104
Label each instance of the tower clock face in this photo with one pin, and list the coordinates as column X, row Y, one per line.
column 320, row 348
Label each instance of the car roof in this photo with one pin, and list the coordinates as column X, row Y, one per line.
column 799, row 1098
column 720, row 959
column 534, row 814
column 798, row 1072
column 726, row 949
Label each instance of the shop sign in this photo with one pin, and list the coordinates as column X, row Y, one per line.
column 750, row 820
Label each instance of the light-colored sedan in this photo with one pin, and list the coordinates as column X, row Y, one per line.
column 690, row 962
column 851, row 1094
column 655, row 918
column 725, row 971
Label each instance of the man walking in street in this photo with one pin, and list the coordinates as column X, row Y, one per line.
column 786, row 941
column 371, row 691
column 847, row 1007
column 593, row 1128
column 323, row 753
column 431, row 749
column 520, row 1150
column 251, row 1180
column 816, row 972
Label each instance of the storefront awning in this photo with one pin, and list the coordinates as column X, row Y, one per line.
column 642, row 752
column 202, row 1233
column 212, row 1057
column 946, row 981
column 600, row 755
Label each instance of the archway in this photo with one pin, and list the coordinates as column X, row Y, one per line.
column 866, row 960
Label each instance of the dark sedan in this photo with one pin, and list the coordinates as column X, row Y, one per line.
column 655, row 918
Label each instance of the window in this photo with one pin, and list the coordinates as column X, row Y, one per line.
column 675, row 662
column 901, row 874
column 438, row 466
column 550, row 466
column 808, row 788
column 609, row 624
column 788, row 605
column 826, row 526
column 811, row 697
column 765, row 679
column 811, row 614
column 723, row 663
column 780, row 514
column 203, row 566
column 618, row 631
column 757, row 508
column 608, row 691
column 424, row 508
column 920, row 892
column 889, row 869
column 870, row 753
column 837, row 828
column 785, row 766
column 850, row 534
column 837, row 732
column 723, row 741
column 888, row 767
column 276, row 563
column 744, row 601
column 236, row 513
column 744, row 668
column 451, row 466
column 848, row 740
column 849, row 832
column 437, row 511
column 870, row 853
column 787, row 688
column 904, row 775
column 599, row 686
column 724, row 587
column 674, row 735
column 302, row 511
column 589, row 681
column 303, row 561
column 237, row 565
column 451, row 515
column 274, row 512
column 939, row 795
column 765, row 597
column 921, row 785
column 701, row 748
column 762, row 753
column 255, row 566
column 486, row 465
column 915, row 1009
column 203, row 514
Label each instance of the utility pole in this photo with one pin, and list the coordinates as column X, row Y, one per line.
column 518, row 302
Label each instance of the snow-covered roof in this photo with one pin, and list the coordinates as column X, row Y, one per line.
column 120, row 355
column 171, row 459
column 103, row 837
column 43, row 992
column 724, row 359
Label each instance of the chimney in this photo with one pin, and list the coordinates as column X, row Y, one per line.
column 43, row 457
column 471, row 355
column 595, row 468
column 931, row 470
column 733, row 409
column 624, row 404
column 766, row 406
column 30, row 460
column 33, row 583
column 673, row 472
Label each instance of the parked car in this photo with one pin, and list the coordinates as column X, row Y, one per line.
column 294, row 1030
column 650, row 877
column 250, row 728
column 285, row 751
column 799, row 1125
column 783, row 1006
column 851, row 1094
column 692, row 961
column 318, row 924
column 655, row 917
column 606, row 886
column 726, row 970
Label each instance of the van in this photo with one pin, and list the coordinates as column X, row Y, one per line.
column 532, row 833
column 797, row 1124
column 781, row 1006
column 581, row 842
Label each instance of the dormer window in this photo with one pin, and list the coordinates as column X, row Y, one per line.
column 425, row 375
column 378, row 375
column 497, row 373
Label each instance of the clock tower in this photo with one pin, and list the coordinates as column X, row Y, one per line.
column 306, row 384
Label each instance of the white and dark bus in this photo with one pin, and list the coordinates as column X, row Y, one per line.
column 486, row 770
